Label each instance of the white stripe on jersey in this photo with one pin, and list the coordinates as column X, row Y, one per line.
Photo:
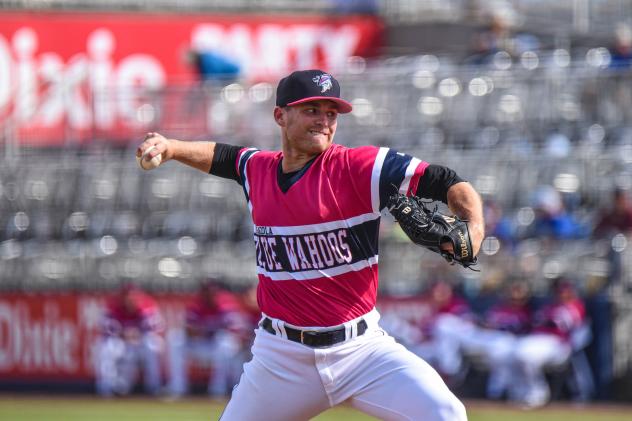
column 242, row 157
column 324, row 227
column 375, row 179
column 323, row 273
column 410, row 171
column 246, row 184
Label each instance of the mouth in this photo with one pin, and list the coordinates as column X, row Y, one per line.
column 317, row 132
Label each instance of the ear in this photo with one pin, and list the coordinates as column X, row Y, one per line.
column 280, row 116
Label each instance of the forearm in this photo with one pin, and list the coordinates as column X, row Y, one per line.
column 198, row 155
column 466, row 203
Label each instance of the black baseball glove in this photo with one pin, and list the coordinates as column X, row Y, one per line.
column 430, row 228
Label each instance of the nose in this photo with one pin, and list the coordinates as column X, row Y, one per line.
column 321, row 120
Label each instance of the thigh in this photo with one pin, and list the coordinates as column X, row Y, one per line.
column 398, row 385
column 280, row 383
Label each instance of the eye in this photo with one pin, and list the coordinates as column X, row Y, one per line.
column 332, row 114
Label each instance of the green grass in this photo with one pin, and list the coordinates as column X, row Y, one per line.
column 19, row 408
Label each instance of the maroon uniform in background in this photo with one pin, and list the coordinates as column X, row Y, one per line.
column 132, row 337
column 132, row 311
column 509, row 316
column 210, row 336
column 495, row 339
column 450, row 319
column 551, row 343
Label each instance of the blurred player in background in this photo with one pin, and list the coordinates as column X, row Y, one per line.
column 250, row 316
column 450, row 318
column 132, row 330
column 211, row 336
column 495, row 337
column 550, row 343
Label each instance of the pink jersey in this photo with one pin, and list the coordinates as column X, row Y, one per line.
column 317, row 242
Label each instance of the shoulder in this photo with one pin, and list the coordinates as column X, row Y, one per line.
column 358, row 155
column 258, row 155
column 256, row 159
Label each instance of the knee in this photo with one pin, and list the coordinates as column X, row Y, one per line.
column 448, row 410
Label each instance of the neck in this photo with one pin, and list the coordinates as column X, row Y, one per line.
column 294, row 161
column 294, row 158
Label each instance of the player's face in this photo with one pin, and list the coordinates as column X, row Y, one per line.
column 310, row 127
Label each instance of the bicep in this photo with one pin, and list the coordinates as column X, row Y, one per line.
column 224, row 161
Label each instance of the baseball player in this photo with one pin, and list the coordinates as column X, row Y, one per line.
column 210, row 336
column 548, row 343
column 444, row 328
column 495, row 338
column 316, row 209
column 131, row 336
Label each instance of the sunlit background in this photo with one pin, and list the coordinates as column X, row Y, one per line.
column 529, row 100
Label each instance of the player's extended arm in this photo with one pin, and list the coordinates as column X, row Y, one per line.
column 466, row 203
column 198, row 155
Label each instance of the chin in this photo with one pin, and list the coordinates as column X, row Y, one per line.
column 321, row 147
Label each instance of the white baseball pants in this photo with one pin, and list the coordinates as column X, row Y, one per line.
column 288, row 381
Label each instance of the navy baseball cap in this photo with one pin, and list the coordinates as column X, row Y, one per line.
column 310, row 85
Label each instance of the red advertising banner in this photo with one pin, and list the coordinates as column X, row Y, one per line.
column 53, row 337
column 84, row 74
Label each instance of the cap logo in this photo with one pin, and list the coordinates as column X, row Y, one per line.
column 324, row 81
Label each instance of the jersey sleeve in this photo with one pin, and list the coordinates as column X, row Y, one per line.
column 436, row 181
column 397, row 172
column 389, row 171
column 241, row 162
column 224, row 158
column 229, row 161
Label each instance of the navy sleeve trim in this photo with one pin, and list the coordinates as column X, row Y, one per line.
column 392, row 174
column 224, row 161
column 436, row 181
column 243, row 179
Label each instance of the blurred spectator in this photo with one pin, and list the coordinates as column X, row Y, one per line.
column 213, row 66
column 621, row 50
column 498, row 36
column 210, row 336
column 493, row 38
column 497, row 223
column 132, row 329
column 364, row 7
column 559, row 330
column 552, row 220
column 617, row 218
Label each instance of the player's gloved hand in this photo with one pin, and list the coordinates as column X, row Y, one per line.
column 432, row 229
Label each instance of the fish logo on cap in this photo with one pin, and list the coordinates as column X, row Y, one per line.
column 324, row 81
